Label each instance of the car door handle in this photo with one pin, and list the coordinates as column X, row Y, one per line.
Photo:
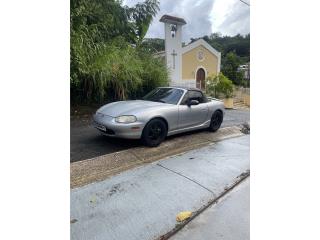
column 203, row 109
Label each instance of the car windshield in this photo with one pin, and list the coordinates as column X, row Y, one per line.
column 164, row 95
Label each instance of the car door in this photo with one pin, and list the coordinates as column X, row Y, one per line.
column 190, row 116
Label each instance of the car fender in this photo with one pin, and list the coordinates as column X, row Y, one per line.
column 169, row 113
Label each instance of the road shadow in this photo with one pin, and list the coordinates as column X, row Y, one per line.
column 97, row 144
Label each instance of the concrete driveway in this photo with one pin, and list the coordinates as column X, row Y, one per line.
column 87, row 142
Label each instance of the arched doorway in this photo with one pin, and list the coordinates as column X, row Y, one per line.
column 200, row 79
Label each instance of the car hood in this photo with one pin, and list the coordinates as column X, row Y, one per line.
column 116, row 109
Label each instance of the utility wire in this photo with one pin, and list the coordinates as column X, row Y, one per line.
column 244, row 2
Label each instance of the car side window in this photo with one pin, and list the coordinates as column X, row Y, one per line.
column 185, row 99
column 193, row 95
column 196, row 95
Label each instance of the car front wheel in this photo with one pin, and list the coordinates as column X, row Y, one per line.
column 154, row 132
column 216, row 121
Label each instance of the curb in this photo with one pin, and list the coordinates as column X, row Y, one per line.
column 99, row 168
column 180, row 226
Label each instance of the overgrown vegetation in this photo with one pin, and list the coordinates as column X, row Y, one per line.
column 107, row 59
column 219, row 86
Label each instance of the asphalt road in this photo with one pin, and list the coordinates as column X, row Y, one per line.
column 86, row 142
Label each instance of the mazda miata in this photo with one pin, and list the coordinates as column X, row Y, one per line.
column 163, row 112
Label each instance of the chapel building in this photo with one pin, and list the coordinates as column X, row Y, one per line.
column 189, row 65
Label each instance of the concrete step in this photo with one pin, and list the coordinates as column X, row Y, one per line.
column 239, row 104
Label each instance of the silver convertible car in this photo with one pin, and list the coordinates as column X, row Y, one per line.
column 163, row 112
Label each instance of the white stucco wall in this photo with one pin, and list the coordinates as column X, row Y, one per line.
column 173, row 43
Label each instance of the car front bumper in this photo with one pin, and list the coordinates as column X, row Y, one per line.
column 114, row 129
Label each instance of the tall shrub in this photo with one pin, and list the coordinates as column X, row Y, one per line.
column 154, row 74
column 230, row 66
column 101, row 64
column 120, row 71
column 218, row 85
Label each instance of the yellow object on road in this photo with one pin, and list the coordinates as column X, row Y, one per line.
column 183, row 216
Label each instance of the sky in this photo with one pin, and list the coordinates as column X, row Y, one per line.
column 203, row 17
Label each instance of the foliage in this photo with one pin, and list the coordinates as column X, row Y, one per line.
column 238, row 44
column 121, row 71
column 153, row 45
column 105, row 58
column 155, row 73
column 230, row 65
column 111, row 69
column 142, row 15
column 219, row 84
column 211, row 84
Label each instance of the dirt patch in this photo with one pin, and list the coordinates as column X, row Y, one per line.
column 82, row 114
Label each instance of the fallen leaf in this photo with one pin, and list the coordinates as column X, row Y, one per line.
column 183, row 216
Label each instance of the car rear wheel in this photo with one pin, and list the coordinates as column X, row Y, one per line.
column 154, row 132
column 216, row 120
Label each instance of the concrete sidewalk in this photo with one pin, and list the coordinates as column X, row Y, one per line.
column 229, row 219
column 143, row 203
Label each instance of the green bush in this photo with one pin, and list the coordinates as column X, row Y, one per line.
column 154, row 74
column 211, row 85
column 118, row 71
column 230, row 66
column 106, row 62
column 218, row 85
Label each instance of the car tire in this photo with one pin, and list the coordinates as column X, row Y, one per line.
column 216, row 120
column 154, row 132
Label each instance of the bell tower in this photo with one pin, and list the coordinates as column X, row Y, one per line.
column 173, row 46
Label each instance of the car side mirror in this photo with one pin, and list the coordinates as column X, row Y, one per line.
column 193, row 102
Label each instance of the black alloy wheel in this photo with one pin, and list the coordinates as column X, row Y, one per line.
column 154, row 132
column 216, row 121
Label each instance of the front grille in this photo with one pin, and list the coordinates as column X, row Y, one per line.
column 108, row 131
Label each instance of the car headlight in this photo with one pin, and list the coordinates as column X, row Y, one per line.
column 126, row 119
